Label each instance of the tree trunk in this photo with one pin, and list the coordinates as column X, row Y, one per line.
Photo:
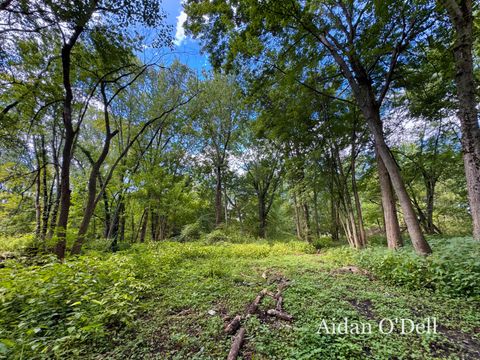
column 38, row 208
column 46, row 195
column 92, row 181
column 262, row 217
column 362, row 238
column 371, row 113
column 297, row 217
column 92, row 194
column 69, row 135
column 333, row 209
column 56, row 203
column 390, row 219
column 431, row 228
column 106, row 206
column 306, row 221
column 218, row 197
column 315, row 210
column 461, row 16
column 143, row 230
column 118, row 226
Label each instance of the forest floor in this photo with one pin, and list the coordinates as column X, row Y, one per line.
column 185, row 313
column 187, row 319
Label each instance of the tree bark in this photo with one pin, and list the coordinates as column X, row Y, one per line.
column 315, row 211
column 92, row 181
column 46, row 196
column 38, row 208
column 69, row 135
column 372, row 115
column 390, row 219
column 218, row 197
column 143, row 230
column 262, row 217
column 362, row 238
column 297, row 217
column 461, row 16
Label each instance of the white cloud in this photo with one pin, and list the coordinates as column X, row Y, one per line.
column 180, row 31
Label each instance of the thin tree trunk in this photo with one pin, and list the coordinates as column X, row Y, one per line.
column 144, row 223
column 38, row 208
column 372, row 115
column 461, row 16
column 218, row 197
column 56, row 203
column 106, row 207
column 390, row 219
column 333, row 205
column 297, row 216
column 92, row 181
column 306, row 221
column 262, row 218
column 69, row 135
column 362, row 238
column 315, row 210
column 46, row 196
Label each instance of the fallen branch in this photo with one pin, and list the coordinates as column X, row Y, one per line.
column 353, row 270
column 280, row 314
column 233, row 325
column 279, row 304
column 254, row 305
column 236, row 344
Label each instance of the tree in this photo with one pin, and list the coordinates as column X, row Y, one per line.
column 218, row 114
column 346, row 32
column 65, row 25
column 461, row 16
column 264, row 172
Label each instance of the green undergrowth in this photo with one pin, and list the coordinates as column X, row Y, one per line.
column 171, row 300
column 453, row 268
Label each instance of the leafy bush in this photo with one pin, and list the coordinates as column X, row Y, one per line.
column 377, row 240
column 190, row 232
column 216, row 236
column 452, row 269
column 322, row 242
column 45, row 309
column 16, row 243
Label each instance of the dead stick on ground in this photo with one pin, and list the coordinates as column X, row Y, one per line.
column 233, row 325
column 280, row 314
column 237, row 344
column 254, row 305
column 278, row 307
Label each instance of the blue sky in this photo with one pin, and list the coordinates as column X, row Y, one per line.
column 186, row 49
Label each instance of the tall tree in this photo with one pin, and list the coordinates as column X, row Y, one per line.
column 347, row 32
column 264, row 171
column 461, row 15
column 68, row 24
column 219, row 112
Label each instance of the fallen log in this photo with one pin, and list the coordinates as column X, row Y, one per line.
column 236, row 344
column 233, row 325
column 254, row 305
column 280, row 314
column 279, row 304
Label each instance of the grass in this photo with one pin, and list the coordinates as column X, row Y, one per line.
column 153, row 302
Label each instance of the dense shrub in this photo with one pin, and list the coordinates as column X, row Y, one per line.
column 16, row 243
column 60, row 310
column 190, row 232
column 452, row 269
column 322, row 242
column 216, row 236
